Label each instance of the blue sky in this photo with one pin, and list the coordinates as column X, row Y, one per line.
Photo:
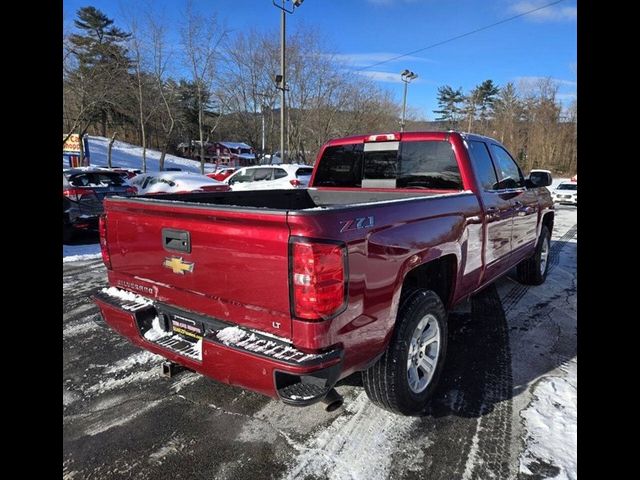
column 363, row 32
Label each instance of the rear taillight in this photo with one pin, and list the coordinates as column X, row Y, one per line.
column 106, row 258
column 76, row 194
column 295, row 182
column 318, row 279
column 214, row 188
column 131, row 191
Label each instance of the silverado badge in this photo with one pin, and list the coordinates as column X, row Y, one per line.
column 177, row 265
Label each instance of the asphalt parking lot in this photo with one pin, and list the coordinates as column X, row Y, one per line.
column 122, row 419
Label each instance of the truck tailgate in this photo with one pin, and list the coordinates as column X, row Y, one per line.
column 233, row 268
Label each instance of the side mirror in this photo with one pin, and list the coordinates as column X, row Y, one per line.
column 539, row 178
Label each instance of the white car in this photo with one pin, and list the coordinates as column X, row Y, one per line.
column 566, row 192
column 175, row 182
column 270, row 177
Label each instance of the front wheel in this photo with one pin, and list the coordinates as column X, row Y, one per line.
column 405, row 377
column 533, row 270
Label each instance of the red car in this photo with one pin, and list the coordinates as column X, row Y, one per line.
column 285, row 292
column 220, row 175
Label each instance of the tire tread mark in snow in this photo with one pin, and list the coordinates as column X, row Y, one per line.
column 518, row 291
column 494, row 436
column 493, row 455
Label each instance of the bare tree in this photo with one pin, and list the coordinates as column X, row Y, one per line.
column 165, row 88
column 201, row 38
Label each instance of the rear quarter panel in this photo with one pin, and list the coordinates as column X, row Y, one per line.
column 405, row 234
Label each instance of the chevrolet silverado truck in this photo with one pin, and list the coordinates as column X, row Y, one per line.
column 285, row 292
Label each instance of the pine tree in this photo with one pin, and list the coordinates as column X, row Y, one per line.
column 102, row 64
column 487, row 92
column 448, row 101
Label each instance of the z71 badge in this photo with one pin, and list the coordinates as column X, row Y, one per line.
column 356, row 224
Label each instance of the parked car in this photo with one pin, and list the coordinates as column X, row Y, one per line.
column 175, row 182
column 126, row 173
column 283, row 176
column 83, row 190
column 566, row 193
column 222, row 173
column 287, row 292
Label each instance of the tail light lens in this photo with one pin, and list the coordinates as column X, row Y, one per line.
column 318, row 279
column 76, row 194
column 104, row 249
column 214, row 188
column 132, row 191
column 295, row 182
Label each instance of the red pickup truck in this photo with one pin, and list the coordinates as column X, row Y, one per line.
column 285, row 292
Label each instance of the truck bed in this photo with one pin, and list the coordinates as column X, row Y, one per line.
column 291, row 200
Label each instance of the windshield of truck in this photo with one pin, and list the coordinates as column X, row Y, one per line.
column 427, row 164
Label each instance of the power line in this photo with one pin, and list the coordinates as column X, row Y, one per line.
column 462, row 35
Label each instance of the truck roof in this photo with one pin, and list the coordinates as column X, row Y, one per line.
column 426, row 135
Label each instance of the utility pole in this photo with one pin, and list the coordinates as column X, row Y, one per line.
column 281, row 79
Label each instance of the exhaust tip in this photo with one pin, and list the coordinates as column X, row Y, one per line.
column 333, row 400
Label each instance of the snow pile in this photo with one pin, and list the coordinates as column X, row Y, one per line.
column 231, row 335
column 156, row 332
column 551, row 424
column 125, row 155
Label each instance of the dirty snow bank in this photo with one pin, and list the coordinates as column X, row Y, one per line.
column 74, row 253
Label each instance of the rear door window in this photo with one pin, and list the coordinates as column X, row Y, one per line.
column 279, row 173
column 261, row 174
column 304, row 172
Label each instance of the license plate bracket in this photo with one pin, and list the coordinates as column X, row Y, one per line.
column 188, row 328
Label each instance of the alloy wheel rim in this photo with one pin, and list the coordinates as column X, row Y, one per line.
column 424, row 348
column 544, row 255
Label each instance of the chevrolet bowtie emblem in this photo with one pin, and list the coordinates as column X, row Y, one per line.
column 177, row 265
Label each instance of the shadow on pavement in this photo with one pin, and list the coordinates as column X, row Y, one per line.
column 478, row 372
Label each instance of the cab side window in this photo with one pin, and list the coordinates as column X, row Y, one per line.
column 509, row 174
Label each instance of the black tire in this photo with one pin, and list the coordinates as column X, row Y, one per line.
column 530, row 271
column 386, row 382
column 67, row 232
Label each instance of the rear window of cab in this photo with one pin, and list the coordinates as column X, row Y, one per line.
column 429, row 164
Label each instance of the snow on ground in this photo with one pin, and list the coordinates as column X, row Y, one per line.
column 551, row 423
column 125, row 155
column 74, row 253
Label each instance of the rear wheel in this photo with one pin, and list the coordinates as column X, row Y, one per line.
column 67, row 231
column 407, row 374
column 533, row 270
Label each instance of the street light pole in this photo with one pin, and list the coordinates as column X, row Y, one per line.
column 283, row 157
column 281, row 79
column 406, row 76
